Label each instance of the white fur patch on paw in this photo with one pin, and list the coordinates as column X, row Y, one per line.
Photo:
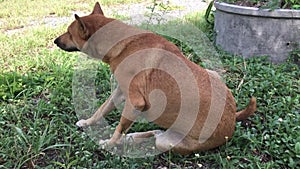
column 82, row 123
column 104, row 144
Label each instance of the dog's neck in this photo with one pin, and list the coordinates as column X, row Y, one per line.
column 108, row 42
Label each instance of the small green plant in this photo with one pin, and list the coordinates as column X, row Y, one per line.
column 295, row 56
column 158, row 10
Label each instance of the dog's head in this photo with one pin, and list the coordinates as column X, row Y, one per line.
column 81, row 30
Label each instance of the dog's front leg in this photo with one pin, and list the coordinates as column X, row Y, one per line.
column 110, row 104
column 132, row 109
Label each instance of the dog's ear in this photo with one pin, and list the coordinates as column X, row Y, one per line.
column 97, row 9
column 82, row 27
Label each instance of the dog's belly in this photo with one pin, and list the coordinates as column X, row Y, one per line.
column 164, row 101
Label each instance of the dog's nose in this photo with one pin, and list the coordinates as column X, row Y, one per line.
column 56, row 41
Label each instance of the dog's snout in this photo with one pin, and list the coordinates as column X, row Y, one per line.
column 64, row 46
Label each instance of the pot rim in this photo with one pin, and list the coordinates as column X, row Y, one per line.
column 253, row 11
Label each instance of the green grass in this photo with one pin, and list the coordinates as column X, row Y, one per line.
column 37, row 114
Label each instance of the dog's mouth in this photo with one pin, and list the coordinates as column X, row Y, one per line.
column 65, row 47
column 73, row 49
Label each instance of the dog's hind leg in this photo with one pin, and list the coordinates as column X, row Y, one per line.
column 110, row 104
column 176, row 142
column 166, row 141
column 139, row 137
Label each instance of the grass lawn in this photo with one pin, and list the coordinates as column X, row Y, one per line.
column 37, row 114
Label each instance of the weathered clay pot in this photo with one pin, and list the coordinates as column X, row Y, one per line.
column 249, row 31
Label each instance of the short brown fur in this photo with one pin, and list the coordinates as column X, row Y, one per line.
column 144, row 82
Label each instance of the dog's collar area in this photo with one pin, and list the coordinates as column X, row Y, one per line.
column 103, row 40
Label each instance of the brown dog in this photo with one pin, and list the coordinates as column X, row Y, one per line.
column 157, row 82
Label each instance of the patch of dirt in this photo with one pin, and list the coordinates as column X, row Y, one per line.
column 161, row 162
column 134, row 13
column 264, row 158
column 2, row 161
column 45, row 158
column 49, row 21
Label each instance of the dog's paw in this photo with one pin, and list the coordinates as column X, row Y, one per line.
column 104, row 144
column 82, row 123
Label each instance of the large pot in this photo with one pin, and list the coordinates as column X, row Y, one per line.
column 249, row 31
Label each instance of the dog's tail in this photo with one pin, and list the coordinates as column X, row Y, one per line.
column 248, row 111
